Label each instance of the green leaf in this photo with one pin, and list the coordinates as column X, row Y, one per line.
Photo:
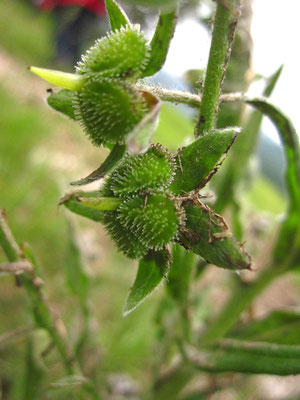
column 160, row 42
column 196, row 163
column 290, row 141
column 207, row 235
column 117, row 16
column 180, row 274
column 234, row 168
column 72, row 202
column 279, row 327
column 113, row 158
column 62, row 101
column 152, row 269
column 289, row 238
column 247, row 357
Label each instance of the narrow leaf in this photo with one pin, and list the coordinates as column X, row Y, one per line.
column 160, row 42
column 234, row 169
column 290, row 141
column 113, row 158
column 58, row 78
column 207, row 235
column 62, row 101
column 257, row 358
column 289, row 238
column 197, row 163
column 117, row 16
column 151, row 271
column 72, row 202
column 279, row 327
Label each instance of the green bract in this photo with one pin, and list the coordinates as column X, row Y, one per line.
column 122, row 53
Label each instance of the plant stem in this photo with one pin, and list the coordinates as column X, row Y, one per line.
column 238, row 302
column 190, row 99
column 16, row 268
column 32, row 284
column 223, row 33
column 41, row 310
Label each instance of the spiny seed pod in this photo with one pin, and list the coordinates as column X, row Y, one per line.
column 108, row 110
column 122, row 53
column 153, row 170
column 153, row 219
column 125, row 240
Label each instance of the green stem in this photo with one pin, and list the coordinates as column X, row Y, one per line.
column 238, row 302
column 190, row 99
column 40, row 308
column 223, row 33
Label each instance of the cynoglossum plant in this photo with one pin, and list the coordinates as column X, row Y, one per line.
column 144, row 199
column 151, row 200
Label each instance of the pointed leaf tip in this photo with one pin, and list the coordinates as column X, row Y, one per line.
column 151, row 271
column 58, row 78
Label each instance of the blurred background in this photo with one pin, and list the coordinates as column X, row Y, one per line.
column 41, row 152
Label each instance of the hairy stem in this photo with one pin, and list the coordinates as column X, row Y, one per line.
column 192, row 100
column 223, row 33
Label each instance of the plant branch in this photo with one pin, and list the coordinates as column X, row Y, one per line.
column 226, row 19
column 41, row 310
column 31, row 283
column 16, row 268
column 190, row 99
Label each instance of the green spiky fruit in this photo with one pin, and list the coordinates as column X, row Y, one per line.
column 153, row 219
column 122, row 53
column 153, row 170
column 108, row 110
column 125, row 240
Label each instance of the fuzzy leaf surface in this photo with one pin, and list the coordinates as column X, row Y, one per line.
column 151, row 271
column 206, row 236
column 197, row 162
